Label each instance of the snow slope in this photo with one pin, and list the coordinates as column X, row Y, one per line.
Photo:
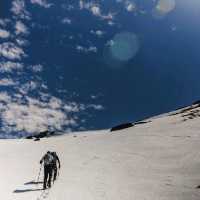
column 159, row 160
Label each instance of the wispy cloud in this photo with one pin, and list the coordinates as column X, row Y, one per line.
column 26, row 103
column 4, row 34
column 86, row 49
column 20, row 28
column 36, row 68
column 96, row 107
column 10, row 66
column 129, row 5
column 33, row 118
column 11, row 51
column 42, row 3
column 98, row 33
column 95, row 9
column 28, row 87
column 4, row 22
column 22, row 42
column 19, row 9
column 66, row 20
column 38, row 115
column 7, row 82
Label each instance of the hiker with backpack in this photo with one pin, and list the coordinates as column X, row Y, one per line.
column 55, row 162
column 47, row 160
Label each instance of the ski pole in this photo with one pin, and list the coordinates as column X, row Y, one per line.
column 39, row 173
column 58, row 171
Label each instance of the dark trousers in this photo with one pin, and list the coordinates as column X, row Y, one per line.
column 47, row 176
column 55, row 171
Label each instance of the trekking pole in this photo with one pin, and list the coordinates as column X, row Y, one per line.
column 39, row 173
column 58, row 171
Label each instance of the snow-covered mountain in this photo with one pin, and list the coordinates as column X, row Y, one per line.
column 158, row 160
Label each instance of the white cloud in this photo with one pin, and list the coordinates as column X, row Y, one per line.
column 4, row 97
column 96, row 96
column 72, row 107
column 11, row 51
column 10, row 66
column 79, row 48
column 95, row 9
column 110, row 43
column 66, row 20
column 20, row 28
column 28, row 87
column 111, row 23
column 42, row 3
column 130, row 6
column 86, row 50
column 37, row 68
column 81, row 4
column 21, row 42
column 35, row 115
column 19, row 9
column 109, row 16
column 4, row 34
column 92, row 49
column 7, row 82
column 96, row 107
column 4, row 22
column 32, row 118
column 55, row 103
column 99, row 33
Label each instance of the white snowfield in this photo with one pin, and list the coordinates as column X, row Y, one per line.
column 159, row 160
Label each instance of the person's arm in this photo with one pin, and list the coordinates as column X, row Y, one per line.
column 42, row 159
column 58, row 160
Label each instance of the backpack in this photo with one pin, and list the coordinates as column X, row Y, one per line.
column 48, row 159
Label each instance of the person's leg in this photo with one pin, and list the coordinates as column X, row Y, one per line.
column 55, row 173
column 50, row 176
column 45, row 177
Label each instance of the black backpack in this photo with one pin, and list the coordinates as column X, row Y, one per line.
column 48, row 159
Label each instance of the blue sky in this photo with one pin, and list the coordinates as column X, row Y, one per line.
column 83, row 65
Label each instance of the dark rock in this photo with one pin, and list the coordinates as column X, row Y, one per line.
column 196, row 102
column 121, row 126
column 45, row 134
column 41, row 135
column 29, row 137
column 37, row 139
column 141, row 122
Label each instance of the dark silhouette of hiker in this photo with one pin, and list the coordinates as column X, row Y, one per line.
column 56, row 164
column 47, row 159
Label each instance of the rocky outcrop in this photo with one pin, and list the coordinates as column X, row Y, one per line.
column 121, row 126
column 41, row 135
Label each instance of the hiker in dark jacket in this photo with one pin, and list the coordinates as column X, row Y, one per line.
column 47, row 159
column 56, row 164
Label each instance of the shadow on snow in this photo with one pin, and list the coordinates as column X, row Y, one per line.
column 26, row 190
column 29, row 190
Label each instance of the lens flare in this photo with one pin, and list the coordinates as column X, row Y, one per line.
column 125, row 46
column 163, row 8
